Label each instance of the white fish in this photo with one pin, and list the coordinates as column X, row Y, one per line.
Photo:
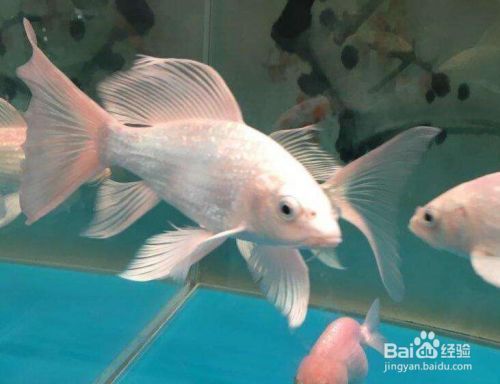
column 176, row 125
column 338, row 357
column 12, row 137
column 466, row 220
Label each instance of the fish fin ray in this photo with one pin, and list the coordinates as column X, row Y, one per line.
column 118, row 206
column 171, row 254
column 283, row 277
column 64, row 130
column 487, row 266
column 367, row 193
column 156, row 91
column 299, row 142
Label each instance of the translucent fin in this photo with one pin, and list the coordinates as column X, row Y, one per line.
column 329, row 257
column 158, row 90
column 283, row 277
column 369, row 329
column 487, row 265
column 118, row 206
column 367, row 193
column 64, row 129
column 9, row 208
column 9, row 116
column 172, row 253
column 300, row 143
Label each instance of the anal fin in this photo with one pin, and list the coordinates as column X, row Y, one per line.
column 118, row 206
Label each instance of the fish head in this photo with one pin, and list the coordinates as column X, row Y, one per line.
column 442, row 223
column 296, row 214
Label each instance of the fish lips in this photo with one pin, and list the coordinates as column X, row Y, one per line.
column 323, row 242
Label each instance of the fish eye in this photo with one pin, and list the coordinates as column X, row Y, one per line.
column 289, row 208
column 429, row 218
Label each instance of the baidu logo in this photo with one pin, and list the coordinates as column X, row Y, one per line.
column 427, row 345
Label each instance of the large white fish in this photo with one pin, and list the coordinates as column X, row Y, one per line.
column 176, row 125
column 338, row 357
column 12, row 137
column 466, row 220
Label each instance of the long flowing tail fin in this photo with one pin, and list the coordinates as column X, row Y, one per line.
column 369, row 329
column 65, row 128
column 367, row 193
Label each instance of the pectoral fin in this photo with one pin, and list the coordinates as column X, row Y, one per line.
column 329, row 257
column 118, row 206
column 9, row 208
column 283, row 277
column 487, row 265
column 172, row 253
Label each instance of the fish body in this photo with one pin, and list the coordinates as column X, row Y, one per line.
column 176, row 125
column 466, row 220
column 218, row 174
column 338, row 357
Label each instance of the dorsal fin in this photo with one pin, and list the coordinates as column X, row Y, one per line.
column 300, row 143
column 156, row 91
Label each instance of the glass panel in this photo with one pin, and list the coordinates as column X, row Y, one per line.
column 222, row 337
column 63, row 326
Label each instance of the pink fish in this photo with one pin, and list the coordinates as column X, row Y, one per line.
column 176, row 125
column 338, row 357
column 466, row 220
column 307, row 112
column 12, row 137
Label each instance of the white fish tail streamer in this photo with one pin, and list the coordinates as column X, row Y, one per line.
column 367, row 192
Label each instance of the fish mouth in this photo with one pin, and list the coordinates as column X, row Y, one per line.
column 412, row 225
column 324, row 242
